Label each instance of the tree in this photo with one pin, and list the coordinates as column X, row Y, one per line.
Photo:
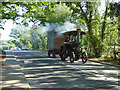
column 36, row 12
column 25, row 40
column 104, row 21
column 113, row 28
column 7, row 44
column 115, row 12
column 87, row 13
column 39, row 39
column 15, row 33
column 99, row 28
column 61, row 14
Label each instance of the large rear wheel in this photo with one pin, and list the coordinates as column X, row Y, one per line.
column 84, row 57
column 72, row 57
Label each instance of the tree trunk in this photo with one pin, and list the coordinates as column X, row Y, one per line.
column 104, row 23
column 114, row 52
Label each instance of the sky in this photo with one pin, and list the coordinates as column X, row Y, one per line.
column 7, row 29
column 9, row 25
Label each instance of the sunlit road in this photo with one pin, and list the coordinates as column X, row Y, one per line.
column 43, row 72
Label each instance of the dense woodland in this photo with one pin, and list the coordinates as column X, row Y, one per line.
column 103, row 27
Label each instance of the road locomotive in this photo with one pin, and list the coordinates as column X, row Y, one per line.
column 67, row 45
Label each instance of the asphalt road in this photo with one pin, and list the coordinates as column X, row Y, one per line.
column 43, row 72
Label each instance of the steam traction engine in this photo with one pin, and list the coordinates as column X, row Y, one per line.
column 67, row 48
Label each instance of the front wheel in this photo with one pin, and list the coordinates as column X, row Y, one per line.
column 84, row 57
column 63, row 55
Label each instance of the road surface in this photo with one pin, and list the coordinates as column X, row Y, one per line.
column 43, row 72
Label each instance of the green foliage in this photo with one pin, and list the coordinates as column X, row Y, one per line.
column 33, row 38
column 8, row 44
column 114, row 9
column 15, row 33
column 34, row 11
column 84, row 41
column 90, row 17
column 38, row 39
column 103, row 32
column 61, row 13
column 25, row 40
column 98, row 26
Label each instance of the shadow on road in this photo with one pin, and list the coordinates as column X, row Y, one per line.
column 43, row 72
column 12, row 75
